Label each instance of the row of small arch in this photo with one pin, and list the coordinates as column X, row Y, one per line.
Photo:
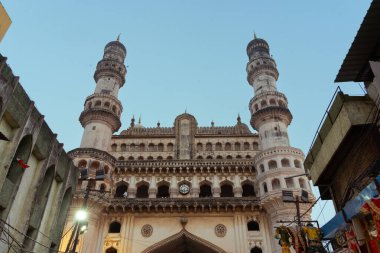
column 237, row 146
column 285, row 163
column 140, row 158
column 107, row 104
column 141, row 147
column 271, row 102
column 276, row 184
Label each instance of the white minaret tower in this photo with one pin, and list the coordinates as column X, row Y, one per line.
column 101, row 115
column 277, row 160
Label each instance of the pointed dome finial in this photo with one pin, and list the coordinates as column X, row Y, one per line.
column 139, row 120
column 158, row 124
column 133, row 121
column 212, row 123
column 254, row 35
column 118, row 37
column 185, row 110
column 238, row 118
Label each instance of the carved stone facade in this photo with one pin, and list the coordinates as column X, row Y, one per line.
column 224, row 181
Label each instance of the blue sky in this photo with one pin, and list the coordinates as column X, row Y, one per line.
column 181, row 55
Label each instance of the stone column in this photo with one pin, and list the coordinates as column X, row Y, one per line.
column 195, row 187
column 215, row 187
column 132, row 188
column 173, row 187
column 237, row 187
column 152, row 188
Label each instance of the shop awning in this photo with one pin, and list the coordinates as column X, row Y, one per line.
column 351, row 209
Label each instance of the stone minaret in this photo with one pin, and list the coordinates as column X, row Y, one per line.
column 271, row 117
column 101, row 115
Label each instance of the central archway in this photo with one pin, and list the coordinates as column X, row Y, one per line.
column 184, row 242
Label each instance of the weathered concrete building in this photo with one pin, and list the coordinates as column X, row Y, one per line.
column 186, row 188
column 34, row 200
column 344, row 158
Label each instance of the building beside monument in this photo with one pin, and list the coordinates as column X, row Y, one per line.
column 186, row 188
column 37, row 178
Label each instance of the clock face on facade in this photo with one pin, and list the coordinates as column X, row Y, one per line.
column 184, row 189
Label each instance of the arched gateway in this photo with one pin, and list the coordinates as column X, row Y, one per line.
column 184, row 242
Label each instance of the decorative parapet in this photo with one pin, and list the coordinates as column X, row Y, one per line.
column 103, row 114
column 279, row 151
column 182, row 204
column 105, row 96
column 92, row 152
column 281, row 112
column 265, row 94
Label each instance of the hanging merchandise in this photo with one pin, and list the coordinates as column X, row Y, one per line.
column 352, row 243
column 372, row 207
column 282, row 234
column 314, row 237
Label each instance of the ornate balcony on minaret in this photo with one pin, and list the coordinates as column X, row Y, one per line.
column 101, row 115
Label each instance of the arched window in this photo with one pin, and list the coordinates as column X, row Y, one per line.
column 209, row 157
column 199, row 157
column 226, row 191
column 151, row 147
column 121, row 189
column 281, row 103
column 142, row 191
column 121, row 158
column 140, row 158
column 208, row 146
column 199, row 147
column 265, row 187
column 142, row 147
column 82, row 164
column 253, row 226
column 262, row 169
column 302, row 183
column 246, row 146
column 263, row 103
column 160, row 147
column 218, row 146
column 256, row 250
column 163, row 191
column 149, row 158
column 248, row 190
column 131, row 158
column 114, row 227
column 297, row 164
column 228, row 146
column 111, row 250
column 285, row 163
column 114, row 109
column 272, row 101
column 89, row 105
column 255, row 146
column 98, row 103
column 106, row 169
column 205, row 191
column 237, row 146
column 169, row 158
column 113, row 147
column 159, row 158
column 229, row 157
column 272, row 164
column 95, row 165
column 107, row 104
column 289, row 182
column 132, row 147
column 248, row 157
column 219, row 157
column 238, row 157
column 256, row 107
column 170, row 147
column 276, row 184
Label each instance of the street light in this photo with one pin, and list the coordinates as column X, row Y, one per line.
column 81, row 215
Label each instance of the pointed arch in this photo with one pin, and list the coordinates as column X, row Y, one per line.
column 177, row 240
